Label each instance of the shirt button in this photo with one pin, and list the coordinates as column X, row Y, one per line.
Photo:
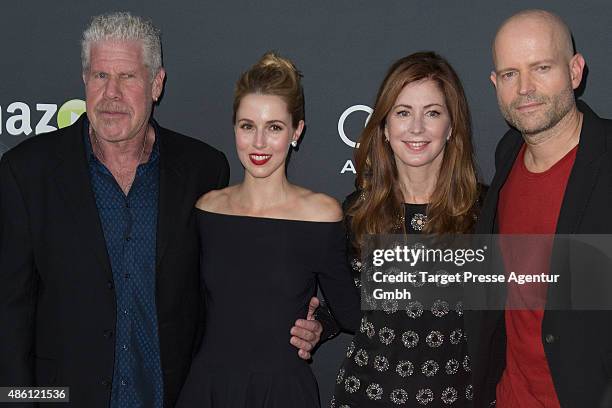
column 108, row 334
column 124, row 382
column 128, row 239
column 125, row 347
column 106, row 383
column 125, row 312
column 549, row 339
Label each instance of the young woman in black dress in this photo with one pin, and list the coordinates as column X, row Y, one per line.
column 415, row 174
column 265, row 245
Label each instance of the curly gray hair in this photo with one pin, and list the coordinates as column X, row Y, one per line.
column 123, row 26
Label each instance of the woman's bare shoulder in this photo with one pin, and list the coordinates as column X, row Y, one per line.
column 215, row 200
column 320, row 207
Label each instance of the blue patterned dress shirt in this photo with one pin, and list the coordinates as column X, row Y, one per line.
column 130, row 226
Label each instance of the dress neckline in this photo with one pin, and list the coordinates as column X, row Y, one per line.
column 266, row 218
column 415, row 205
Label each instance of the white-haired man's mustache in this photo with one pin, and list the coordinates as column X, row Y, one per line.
column 113, row 108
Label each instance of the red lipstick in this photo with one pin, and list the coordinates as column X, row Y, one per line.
column 259, row 159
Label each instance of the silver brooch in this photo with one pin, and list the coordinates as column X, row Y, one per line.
column 449, row 395
column 386, row 335
column 374, row 391
column 435, row 339
column 469, row 392
column 418, row 221
column 352, row 384
column 356, row 265
column 452, row 366
column 429, row 368
column 361, row 358
column 440, row 274
column 381, row 363
column 390, row 306
column 425, row 396
column 340, row 376
column 370, row 331
column 439, row 308
column 364, row 320
column 466, row 364
column 350, row 349
column 410, row 339
column 399, row 396
column 414, row 309
column 404, row 368
column 455, row 336
column 367, row 327
column 459, row 308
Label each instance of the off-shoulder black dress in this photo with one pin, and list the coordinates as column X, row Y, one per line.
column 258, row 275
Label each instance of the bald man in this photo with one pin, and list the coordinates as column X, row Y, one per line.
column 553, row 176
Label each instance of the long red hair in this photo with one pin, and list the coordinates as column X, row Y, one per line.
column 379, row 207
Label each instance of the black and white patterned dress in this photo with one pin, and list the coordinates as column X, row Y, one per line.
column 408, row 357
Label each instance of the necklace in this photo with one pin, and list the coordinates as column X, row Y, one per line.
column 124, row 178
column 101, row 152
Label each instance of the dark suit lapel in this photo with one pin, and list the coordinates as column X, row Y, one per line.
column 171, row 190
column 74, row 184
column 580, row 184
column 584, row 173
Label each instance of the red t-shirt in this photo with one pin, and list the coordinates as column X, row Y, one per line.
column 529, row 203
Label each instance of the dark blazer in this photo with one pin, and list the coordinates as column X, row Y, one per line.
column 57, row 299
column 577, row 344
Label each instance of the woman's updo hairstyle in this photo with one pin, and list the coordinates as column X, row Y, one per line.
column 273, row 75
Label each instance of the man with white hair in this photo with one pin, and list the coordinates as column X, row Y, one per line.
column 553, row 176
column 99, row 255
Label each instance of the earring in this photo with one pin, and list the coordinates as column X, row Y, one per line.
column 294, row 143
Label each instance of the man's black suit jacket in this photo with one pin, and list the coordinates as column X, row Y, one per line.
column 577, row 344
column 57, row 299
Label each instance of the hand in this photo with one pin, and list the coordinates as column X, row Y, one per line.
column 307, row 332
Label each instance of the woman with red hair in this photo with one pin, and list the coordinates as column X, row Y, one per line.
column 415, row 174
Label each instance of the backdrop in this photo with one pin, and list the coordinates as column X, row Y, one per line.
column 342, row 47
